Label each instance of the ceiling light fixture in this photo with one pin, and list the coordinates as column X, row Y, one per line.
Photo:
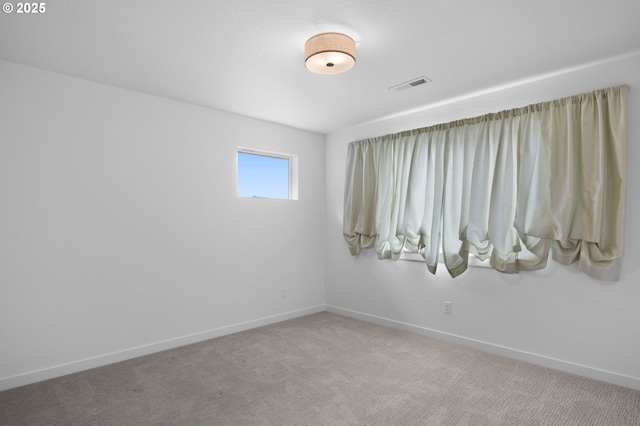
column 329, row 53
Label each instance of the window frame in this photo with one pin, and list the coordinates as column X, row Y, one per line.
column 292, row 160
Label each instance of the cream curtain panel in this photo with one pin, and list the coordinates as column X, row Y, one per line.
column 510, row 187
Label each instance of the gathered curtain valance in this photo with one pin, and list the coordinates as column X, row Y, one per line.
column 509, row 187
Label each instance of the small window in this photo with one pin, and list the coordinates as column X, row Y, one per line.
column 264, row 174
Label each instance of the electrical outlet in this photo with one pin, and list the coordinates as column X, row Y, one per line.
column 447, row 307
column 283, row 292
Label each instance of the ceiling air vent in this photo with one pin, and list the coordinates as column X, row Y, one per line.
column 409, row 84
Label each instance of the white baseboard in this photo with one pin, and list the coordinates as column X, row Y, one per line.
column 101, row 360
column 544, row 361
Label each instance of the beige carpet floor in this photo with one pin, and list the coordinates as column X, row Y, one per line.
column 322, row 369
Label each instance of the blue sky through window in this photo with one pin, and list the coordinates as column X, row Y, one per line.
column 262, row 176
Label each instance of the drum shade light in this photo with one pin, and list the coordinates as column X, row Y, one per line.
column 329, row 53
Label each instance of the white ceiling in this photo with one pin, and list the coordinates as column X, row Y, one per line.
column 246, row 56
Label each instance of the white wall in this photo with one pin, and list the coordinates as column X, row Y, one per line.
column 121, row 233
column 557, row 317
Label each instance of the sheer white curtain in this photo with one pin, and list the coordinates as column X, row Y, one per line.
column 505, row 187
